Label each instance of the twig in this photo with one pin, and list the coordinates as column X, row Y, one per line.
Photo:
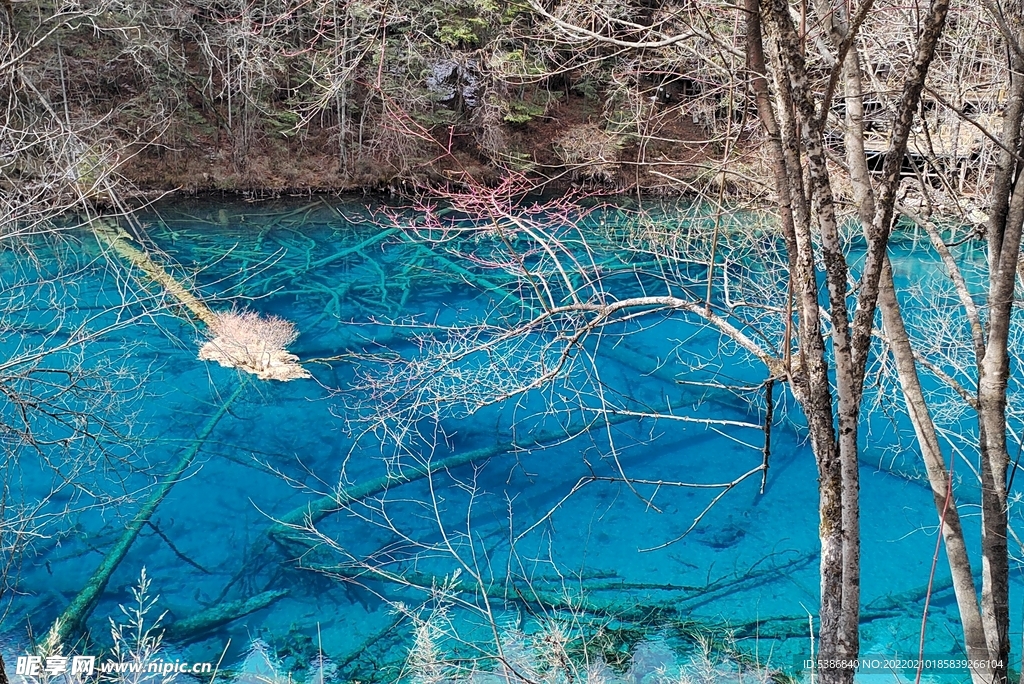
column 769, row 400
column 174, row 549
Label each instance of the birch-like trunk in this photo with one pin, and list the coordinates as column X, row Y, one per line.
column 906, row 369
column 836, row 454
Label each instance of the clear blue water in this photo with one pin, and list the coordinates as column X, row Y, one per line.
column 749, row 567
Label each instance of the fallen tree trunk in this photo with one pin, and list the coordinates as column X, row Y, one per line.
column 72, row 620
column 192, row 628
column 240, row 339
column 795, row 627
column 287, row 529
column 119, row 241
column 655, row 614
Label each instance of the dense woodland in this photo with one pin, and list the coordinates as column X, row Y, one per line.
column 298, row 96
column 294, row 96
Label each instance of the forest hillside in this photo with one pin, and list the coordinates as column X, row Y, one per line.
column 297, row 95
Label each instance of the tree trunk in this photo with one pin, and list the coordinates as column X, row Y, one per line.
column 836, row 455
column 1004, row 240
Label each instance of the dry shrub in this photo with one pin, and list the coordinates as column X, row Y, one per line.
column 254, row 343
column 248, row 329
column 590, row 151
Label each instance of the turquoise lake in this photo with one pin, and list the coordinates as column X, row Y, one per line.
column 539, row 516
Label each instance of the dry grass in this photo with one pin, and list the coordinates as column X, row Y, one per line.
column 253, row 343
column 249, row 330
column 589, row 151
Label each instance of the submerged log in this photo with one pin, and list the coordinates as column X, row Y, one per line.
column 72, row 620
column 886, row 607
column 241, row 340
column 119, row 241
column 289, row 528
column 194, row 627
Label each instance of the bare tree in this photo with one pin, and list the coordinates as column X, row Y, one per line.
column 793, row 87
column 985, row 624
column 67, row 408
